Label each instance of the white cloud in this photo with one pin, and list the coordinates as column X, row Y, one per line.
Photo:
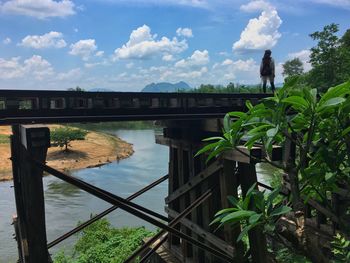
column 83, row 48
column 52, row 39
column 143, row 45
column 168, row 57
column 198, row 58
column 11, row 68
column 190, row 3
column 71, row 74
column 38, row 67
column 304, row 56
column 227, row 62
column 185, row 32
column 38, row 8
column 99, row 53
column 254, row 6
column 7, row 41
column 260, row 33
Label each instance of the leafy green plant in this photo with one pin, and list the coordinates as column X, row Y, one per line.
column 4, row 139
column 265, row 213
column 319, row 127
column 341, row 248
column 64, row 135
column 102, row 243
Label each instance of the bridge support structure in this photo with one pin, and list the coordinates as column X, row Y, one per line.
column 190, row 176
column 33, row 141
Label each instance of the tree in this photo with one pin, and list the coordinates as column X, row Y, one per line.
column 77, row 88
column 325, row 58
column 64, row 135
column 293, row 67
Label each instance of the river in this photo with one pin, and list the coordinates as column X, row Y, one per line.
column 65, row 205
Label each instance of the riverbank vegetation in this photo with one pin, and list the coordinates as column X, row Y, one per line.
column 121, row 125
column 100, row 242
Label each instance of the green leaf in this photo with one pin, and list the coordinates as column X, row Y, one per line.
column 297, row 102
column 227, row 123
column 212, row 139
column 346, row 131
column 254, row 218
column 207, row 148
column 234, row 201
column 333, row 102
column 280, row 210
column 237, row 216
column 272, row 132
column 237, row 114
column 244, row 232
column 226, row 210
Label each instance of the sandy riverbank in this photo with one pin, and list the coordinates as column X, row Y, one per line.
column 97, row 149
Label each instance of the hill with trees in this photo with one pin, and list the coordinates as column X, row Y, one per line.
column 166, row 87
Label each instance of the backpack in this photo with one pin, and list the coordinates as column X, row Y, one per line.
column 266, row 69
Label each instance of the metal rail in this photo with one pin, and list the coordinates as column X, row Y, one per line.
column 172, row 223
column 104, row 213
column 126, row 206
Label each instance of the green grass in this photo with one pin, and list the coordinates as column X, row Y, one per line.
column 123, row 125
column 4, row 139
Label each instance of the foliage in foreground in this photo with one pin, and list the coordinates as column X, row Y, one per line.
column 318, row 126
column 102, row 243
column 62, row 136
column 265, row 213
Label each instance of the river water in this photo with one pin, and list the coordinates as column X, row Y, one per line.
column 65, row 205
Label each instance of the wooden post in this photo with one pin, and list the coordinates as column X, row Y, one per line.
column 228, row 186
column 257, row 240
column 33, row 141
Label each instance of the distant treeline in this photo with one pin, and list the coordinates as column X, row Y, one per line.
column 120, row 125
column 230, row 88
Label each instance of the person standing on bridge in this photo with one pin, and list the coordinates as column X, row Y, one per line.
column 267, row 70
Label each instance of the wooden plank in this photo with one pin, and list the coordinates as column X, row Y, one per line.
column 173, row 240
column 242, row 155
column 257, row 240
column 193, row 196
column 210, row 170
column 211, row 238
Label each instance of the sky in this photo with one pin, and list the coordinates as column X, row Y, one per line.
column 123, row 45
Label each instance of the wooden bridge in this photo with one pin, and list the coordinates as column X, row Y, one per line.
column 196, row 190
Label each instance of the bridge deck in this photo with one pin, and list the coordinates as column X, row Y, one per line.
column 29, row 106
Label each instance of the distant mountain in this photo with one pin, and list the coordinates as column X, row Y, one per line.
column 166, row 87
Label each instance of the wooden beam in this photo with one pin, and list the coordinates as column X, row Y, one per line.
column 33, row 141
column 211, row 238
column 210, row 170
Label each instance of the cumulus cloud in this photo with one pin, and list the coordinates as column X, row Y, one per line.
column 38, row 8
column 260, row 33
column 38, row 67
column 304, row 56
column 198, row 58
column 7, row 41
column 254, row 6
column 142, row 45
column 52, row 39
column 185, row 32
column 71, row 74
column 168, row 57
column 11, row 68
column 83, row 48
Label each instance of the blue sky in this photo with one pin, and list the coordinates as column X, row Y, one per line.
column 124, row 45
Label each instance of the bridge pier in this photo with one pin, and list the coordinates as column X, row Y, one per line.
column 32, row 140
column 190, row 176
